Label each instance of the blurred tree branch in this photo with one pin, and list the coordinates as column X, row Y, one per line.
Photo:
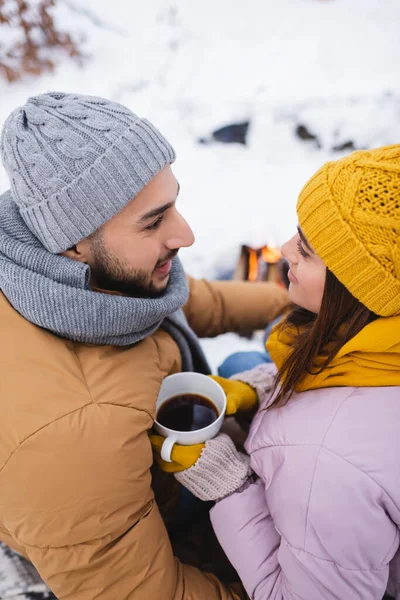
column 34, row 38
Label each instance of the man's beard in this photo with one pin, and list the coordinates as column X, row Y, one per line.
column 108, row 273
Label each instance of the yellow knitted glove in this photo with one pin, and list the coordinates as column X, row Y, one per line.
column 239, row 395
column 183, row 457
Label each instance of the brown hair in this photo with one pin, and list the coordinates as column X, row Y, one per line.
column 319, row 336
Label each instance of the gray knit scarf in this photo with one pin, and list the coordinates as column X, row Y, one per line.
column 53, row 292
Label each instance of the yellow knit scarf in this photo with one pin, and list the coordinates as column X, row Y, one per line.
column 370, row 359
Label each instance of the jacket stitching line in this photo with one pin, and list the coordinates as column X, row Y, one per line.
column 334, row 454
column 363, row 473
column 145, row 514
column 83, row 374
column 58, row 418
column 331, row 561
column 382, row 562
column 99, row 402
column 44, row 427
column 66, row 415
column 316, row 465
column 158, row 352
column 128, row 407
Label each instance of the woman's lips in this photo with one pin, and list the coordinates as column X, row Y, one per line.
column 291, row 277
column 164, row 268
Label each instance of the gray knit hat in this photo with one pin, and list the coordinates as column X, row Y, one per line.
column 75, row 161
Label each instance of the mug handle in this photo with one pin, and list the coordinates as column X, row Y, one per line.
column 166, row 448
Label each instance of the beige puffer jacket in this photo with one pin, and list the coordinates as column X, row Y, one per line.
column 75, row 457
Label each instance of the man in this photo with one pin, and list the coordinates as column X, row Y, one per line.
column 91, row 323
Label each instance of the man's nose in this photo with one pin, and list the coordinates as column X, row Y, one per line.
column 182, row 236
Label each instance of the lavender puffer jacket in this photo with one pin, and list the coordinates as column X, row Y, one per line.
column 322, row 522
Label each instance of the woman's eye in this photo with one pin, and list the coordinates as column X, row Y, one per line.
column 156, row 223
column 301, row 249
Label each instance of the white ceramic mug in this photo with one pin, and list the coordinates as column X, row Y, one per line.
column 189, row 383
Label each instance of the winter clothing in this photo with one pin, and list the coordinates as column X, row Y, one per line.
column 75, row 161
column 53, row 292
column 81, row 369
column 239, row 396
column 219, row 471
column 262, row 380
column 349, row 212
column 370, row 358
column 323, row 519
column 182, row 457
column 75, row 455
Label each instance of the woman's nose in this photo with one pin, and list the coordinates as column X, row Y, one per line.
column 284, row 250
column 289, row 250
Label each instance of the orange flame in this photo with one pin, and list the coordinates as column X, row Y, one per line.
column 271, row 253
column 253, row 264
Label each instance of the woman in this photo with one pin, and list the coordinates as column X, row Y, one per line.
column 314, row 513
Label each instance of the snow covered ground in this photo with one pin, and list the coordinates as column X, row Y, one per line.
column 191, row 67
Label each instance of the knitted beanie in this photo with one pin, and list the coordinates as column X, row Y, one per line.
column 75, row 161
column 349, row 212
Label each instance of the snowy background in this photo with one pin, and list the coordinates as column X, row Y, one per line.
column 331, row 66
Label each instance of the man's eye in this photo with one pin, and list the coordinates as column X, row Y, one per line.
column 156, row 223
column 301, row 249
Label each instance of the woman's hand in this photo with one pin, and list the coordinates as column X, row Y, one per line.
column 239, row 395
column 220, row 470
column 211, row 470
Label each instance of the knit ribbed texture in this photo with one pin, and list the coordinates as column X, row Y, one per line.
column 349, row 212
column 53, row 291
column 262, row 379
column 220, row 471
column 75, row 161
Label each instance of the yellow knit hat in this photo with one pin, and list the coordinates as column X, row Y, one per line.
column 349, row 212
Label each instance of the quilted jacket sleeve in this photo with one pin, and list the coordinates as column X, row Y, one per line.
column 333, row 542
column 84, row 511
column 222, row 306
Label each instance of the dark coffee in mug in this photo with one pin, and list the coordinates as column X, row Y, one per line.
column 187, row 412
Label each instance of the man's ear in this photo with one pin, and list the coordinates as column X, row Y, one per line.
column 79, row 252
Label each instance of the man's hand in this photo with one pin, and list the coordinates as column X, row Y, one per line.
column 239, row 396
column 183, row 457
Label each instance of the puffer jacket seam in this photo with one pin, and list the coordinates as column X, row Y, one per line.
column 110, row 403
column 99, row 403
column 143, row 410
column 300, row 444
column 324, row 448
column 333, row 562
column 83, row 374
column 316, row 464
column 363, row 472
column 147, row 510
column 255, row 434
column 67, row 415
column 84, row 381
column 320, row 445
column 43, row 427
column 158, row 353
